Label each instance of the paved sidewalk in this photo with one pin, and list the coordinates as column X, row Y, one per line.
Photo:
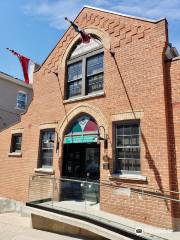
column 15, row 227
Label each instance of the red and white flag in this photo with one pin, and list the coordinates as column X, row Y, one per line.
column 24, row 64
column 85, row 37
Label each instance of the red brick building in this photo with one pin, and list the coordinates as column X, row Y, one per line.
column 124, row 86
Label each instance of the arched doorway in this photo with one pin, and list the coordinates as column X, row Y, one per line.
column 81, row 153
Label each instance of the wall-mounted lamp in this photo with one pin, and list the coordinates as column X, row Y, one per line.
column 104, row 138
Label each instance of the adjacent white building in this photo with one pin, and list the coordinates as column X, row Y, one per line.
column 15, row 97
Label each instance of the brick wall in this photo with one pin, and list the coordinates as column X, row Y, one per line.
column 173, row 86
column 139, row 58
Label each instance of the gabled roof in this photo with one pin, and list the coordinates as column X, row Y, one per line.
column 107, row 11
column 123, row 15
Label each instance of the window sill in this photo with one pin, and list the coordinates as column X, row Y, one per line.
column 98, row 94
column 132, row 177
column 15, row 154
column 49, row 171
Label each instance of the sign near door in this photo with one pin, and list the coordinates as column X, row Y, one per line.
column 80, row 139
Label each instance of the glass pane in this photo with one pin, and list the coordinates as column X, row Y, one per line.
column 119, row 130
column 92, row 162
column 47, row 145
column 47, row 139
column 127, row 141
column 126, row 165
column 74, row 71
column 47, row 156
column 135, row 140
column 21, row 100
column 119, row 141
column 95, row 64
column 127, row 130
column 120, row 153
column 137, row 165
column 74, row 88
column 17, row 143
column 95, row 83
column 21, row 96
column 128, row 152
column 136, row 153
column 135, row 129
column 18, row 139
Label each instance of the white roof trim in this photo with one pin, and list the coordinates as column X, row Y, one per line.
column 125, row 15
column 4, row 76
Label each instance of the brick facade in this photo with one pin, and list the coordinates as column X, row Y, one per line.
column 136, row 79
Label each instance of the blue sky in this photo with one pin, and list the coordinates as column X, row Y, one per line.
column 33, row 27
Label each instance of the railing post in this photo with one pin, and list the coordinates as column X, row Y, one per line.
column 29, row 188
column 53, row 192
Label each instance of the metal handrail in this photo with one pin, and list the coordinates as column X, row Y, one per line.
column 134, row 188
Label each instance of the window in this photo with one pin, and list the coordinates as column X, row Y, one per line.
column 21, row 100
column 46, row 148
column 127, row 142
column 85, row 69
column 16, row 142
column 75, row 79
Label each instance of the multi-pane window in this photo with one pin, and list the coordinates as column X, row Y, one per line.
column 16, row 142
column 46, row 148
column 85, row 70
column 127, row 159
column 95, row 73
column 21, row 101
column 74, row 79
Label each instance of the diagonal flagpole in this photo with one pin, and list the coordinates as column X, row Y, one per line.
column 86, row 37
column 16, row 53
column 57, row 76
column 32, row 61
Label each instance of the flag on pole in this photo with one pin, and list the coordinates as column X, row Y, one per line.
column 24, row 63
column 85, row 37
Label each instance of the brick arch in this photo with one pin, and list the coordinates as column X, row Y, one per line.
column 101, row 34
column 75, row 112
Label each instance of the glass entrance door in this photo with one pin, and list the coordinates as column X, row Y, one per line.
column 81, row 161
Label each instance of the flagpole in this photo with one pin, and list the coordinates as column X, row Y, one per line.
column 10, row 50
column 77, row 29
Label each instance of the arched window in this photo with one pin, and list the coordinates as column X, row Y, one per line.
column 85, row 69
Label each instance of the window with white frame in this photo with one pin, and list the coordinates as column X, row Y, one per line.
column 46, row 148
column 85, row 69
column 21, row 100
column 127, row 147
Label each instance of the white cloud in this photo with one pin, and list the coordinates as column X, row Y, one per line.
column 150, row 8
column 54, row 11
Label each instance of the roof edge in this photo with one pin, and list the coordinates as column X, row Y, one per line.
column 125, row 15
column 5, row 76
column 102, row 10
